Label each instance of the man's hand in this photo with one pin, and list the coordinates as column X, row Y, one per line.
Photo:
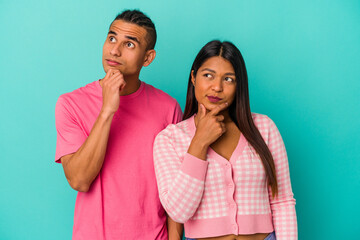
column 82, row 167
column 112, row 84
column 175, row 230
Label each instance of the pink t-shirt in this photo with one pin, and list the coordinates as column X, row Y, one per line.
column 123, row 201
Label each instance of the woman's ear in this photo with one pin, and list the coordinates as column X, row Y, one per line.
column 192, row 77
column 149, row 57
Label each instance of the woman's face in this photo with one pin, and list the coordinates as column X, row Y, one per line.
column 214, row 82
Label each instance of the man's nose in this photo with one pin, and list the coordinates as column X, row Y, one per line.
column 116, row 51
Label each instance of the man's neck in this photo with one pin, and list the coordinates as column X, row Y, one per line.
column 132, row 85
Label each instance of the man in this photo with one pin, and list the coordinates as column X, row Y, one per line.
column 105, row 138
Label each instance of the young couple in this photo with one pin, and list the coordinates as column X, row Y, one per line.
column 222, row 171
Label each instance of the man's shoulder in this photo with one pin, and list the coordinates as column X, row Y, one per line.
column 85, row 97
column 159, row 94
column 80, row 93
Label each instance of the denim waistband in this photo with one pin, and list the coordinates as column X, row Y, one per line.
column 271, row 236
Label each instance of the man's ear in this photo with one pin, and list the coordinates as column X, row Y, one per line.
column 149, row 57
column 192, row 77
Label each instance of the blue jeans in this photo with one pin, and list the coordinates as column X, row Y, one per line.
column 271, row 236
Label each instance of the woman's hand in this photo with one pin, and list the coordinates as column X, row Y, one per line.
column 209, row 127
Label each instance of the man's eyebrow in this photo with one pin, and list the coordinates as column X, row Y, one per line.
column 128, row 37
column 133, row 38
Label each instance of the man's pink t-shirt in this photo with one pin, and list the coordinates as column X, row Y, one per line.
column 123, row 200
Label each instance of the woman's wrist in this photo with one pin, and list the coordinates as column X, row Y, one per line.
column 198, row 148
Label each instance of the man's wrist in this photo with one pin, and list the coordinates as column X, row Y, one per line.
column 106, row 114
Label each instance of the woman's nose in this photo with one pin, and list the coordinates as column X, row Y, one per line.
column 217, row 85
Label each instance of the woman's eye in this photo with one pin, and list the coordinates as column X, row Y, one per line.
column 207, row 75
column 112, row 39
column 229, row 79
column 130, row 45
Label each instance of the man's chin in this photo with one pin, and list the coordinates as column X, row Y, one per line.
column 107, row 68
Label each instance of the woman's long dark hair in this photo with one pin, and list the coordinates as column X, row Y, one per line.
column 239, row 110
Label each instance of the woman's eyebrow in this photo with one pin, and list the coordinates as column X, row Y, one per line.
column 208, row 69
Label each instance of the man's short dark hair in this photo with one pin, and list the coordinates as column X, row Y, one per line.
column 139, row 18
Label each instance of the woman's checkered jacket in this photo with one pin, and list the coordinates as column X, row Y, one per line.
column 218, row 196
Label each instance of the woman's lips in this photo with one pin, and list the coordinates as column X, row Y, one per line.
column 112, row 63
column 214, row 99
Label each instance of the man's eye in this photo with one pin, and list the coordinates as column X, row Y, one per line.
column 112, row 39
column 130, row 45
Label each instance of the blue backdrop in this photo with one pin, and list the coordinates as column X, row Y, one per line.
column 303, row 61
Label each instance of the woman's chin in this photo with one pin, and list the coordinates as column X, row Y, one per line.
column 210, row 107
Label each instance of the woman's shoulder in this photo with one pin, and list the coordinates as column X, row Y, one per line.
column 177, row 130
column 262, row 121
column 260, row 118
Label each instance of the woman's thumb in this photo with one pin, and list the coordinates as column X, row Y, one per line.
column 202, row 111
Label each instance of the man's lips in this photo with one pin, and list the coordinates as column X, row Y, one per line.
column 112, row 62
column 214, row 99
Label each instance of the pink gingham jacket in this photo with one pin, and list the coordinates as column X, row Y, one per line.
column 218, row 197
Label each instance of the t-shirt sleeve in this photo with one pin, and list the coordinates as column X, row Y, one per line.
column 177, row 115
column 70, row 136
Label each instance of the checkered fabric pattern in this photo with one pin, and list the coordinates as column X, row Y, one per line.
column 198, row 192
column 283, row 205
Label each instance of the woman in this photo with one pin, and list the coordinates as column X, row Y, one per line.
column 223, row 171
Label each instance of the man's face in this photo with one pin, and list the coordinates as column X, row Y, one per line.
column 125, row 48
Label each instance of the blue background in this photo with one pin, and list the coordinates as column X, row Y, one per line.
column 303, row 61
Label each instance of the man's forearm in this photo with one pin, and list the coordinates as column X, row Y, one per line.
column 175, row 230
column 82, row 167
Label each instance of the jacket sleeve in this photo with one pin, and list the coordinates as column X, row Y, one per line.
column 283, row 205
column 180, row 180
